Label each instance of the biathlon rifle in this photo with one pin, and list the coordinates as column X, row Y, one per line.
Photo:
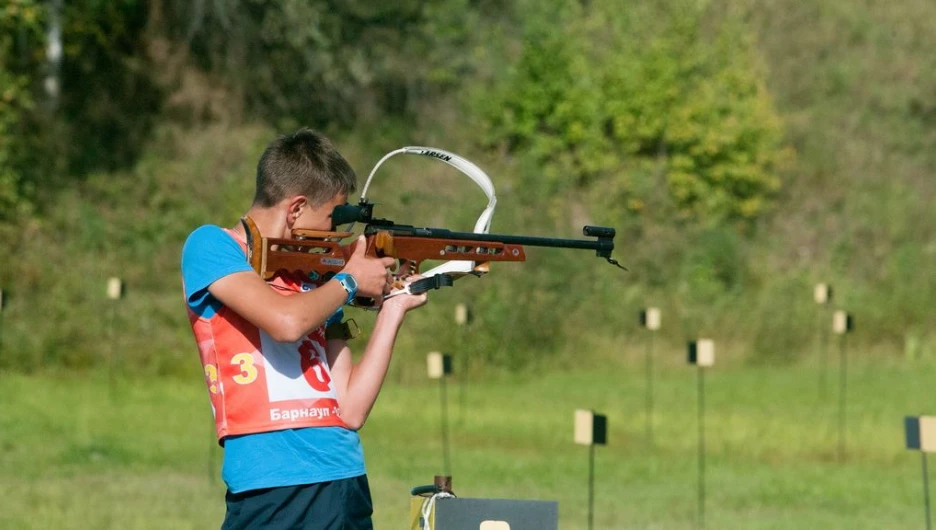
column 320, row 254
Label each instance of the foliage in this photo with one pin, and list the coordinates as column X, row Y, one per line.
column 20, row 21
column 660, row 118
column 50, row 139
column 550, row 105
column 130, row 226
column 108, row 87
column 321, row 63
column 599, row 104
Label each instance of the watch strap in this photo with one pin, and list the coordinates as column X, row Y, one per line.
column 342, row 278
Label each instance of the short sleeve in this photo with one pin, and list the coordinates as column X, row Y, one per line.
column 208, row 255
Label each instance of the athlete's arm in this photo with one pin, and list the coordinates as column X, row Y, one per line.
column 284, row 318
column 289, row 318
column 213, row 262
column 359, row 384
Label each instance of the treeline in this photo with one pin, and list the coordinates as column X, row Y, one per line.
column 698, row 129
column 594, row 97
column 85, row 82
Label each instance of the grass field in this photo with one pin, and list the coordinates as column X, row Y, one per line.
column 79, row 453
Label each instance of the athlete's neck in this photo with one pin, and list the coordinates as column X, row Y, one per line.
column 271, row 222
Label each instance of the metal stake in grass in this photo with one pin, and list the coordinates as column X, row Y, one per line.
column 462, row 318
column 3, row 301
column 921, row 435
column 115, row 291
column 590, row 429
column 701, row 354
column 440, row 365
column 822, row 294
column 650, row 319
column 842, row 324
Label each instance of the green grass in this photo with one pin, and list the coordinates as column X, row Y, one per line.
column 76, row 452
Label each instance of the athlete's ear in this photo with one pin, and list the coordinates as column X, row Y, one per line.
column 294, row 208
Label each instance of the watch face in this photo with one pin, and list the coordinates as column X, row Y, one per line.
column 352, row 283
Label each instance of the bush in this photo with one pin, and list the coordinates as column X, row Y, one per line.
column 600, row 105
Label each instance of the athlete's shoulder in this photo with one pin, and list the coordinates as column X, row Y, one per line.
column 209, row 239
column 213, row 247
column 207, row 234
column 210, row 253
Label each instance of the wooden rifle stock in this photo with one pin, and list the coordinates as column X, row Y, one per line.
column 321, row 253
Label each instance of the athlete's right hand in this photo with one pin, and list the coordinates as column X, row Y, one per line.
column 372, row 274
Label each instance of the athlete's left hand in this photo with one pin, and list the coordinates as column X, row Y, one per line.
column 405, row 302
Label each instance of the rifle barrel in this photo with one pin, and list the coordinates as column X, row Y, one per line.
column 604, row 244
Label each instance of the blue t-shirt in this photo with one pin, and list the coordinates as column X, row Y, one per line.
column 278, row 458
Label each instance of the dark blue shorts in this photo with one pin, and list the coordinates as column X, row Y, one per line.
column 337, row 505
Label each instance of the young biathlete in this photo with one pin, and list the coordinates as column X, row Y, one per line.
column 287, row 402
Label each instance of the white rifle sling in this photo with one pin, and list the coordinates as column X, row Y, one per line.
column 482, row 225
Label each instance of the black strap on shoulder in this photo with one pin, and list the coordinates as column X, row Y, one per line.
column 346, row 330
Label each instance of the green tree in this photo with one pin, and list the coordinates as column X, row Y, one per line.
column 108, row 87
column 723, row 139
column 606, row 106
column 326, row 63
column 20, row 24
column 549, row 108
